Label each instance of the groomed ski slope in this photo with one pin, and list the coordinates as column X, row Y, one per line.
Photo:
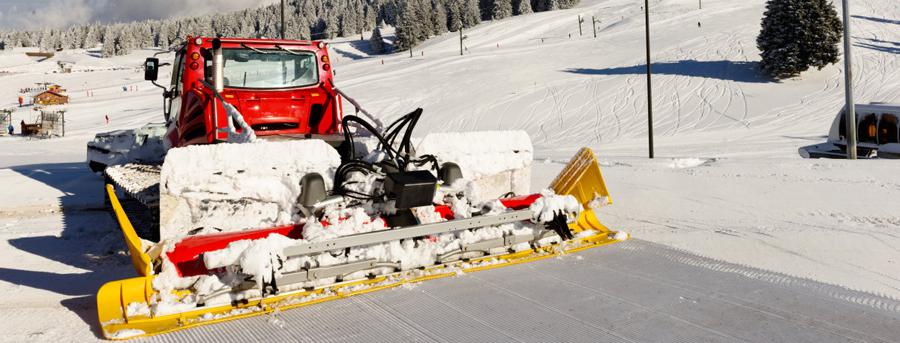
column 728, row 183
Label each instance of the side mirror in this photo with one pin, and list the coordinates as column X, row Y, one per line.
column 151, row 69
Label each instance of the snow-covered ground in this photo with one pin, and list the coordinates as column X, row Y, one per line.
column 727, row 183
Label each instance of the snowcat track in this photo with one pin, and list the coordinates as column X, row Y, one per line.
column 139, row 184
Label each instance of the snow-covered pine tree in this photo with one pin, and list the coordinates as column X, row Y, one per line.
column 438, row 17
column 162, row 36
column 779, row 39
column 46, row 42
column 91, row 37
column 377, row 41
column 522, row 7
column 502, row 9
column 323, row 19
column 822, row 35
column 553, row 5
column 409, row 24
column 563, row 4
column 454, row 15
column 471, row 15
column 109, row 46
column 797, row 34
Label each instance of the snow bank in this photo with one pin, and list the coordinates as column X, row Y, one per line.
column 682, row 163
column 498, row 161
column 127, row 333
column 237, row 186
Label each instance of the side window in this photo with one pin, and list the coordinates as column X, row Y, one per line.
column 176, row 87
column 178, row 68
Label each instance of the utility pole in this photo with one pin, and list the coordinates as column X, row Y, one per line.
column 580, row 20
column 594, row 22
column 649, row 87
column 850, row 107
column 461, row 39
column 282, row 19
column 701, row 4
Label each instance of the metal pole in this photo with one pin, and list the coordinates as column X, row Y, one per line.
column 460, row 41
column 282, row 19
column 594, row 22
column 649, row 88
column 701, row 4
column 850, row 109
column 580, row 32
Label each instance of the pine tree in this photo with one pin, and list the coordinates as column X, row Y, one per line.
column 564, row 4
column 523, row 7
column 470, row 12
column 454, row 14
column 438, row 17
column 501, row 9
column 162, row 36
column 109, row 46
column 376, row 41
column 47, row 43
column 407, row 25
column 797, row 34
column 822, row 35
column 553, row 5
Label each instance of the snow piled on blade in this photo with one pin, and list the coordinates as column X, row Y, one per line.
column 255, row 257
column 237, row 186
column 550, row 204
column 498, row 161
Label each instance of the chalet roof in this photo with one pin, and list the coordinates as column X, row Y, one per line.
column 52, row 92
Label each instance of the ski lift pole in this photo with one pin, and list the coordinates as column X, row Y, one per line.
column 461, row 39
column 282, row 19
column 850, row 109
column 649, row 87
column 580, row 20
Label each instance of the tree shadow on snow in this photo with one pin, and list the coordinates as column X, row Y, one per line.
column 90, row 240
column 878, row 20
column 723, row 70
column 879, row 45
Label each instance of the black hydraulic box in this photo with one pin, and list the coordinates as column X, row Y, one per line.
column 411, row 189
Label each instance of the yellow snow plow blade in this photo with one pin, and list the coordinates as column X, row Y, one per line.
column 582, row 179
column 123, row 306
column 139, row 258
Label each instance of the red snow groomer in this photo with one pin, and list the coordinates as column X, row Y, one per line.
column 310, row 205
column 279, row 87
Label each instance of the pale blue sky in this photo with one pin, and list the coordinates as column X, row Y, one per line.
column 38, row 14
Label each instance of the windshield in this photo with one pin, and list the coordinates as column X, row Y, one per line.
column 245, row 68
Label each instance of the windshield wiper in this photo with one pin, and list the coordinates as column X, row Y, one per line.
column 292, row 52
column 255, row 49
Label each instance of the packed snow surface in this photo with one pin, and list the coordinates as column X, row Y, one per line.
column 758, row 205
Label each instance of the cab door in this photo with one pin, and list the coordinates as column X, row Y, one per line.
column 176, row 88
